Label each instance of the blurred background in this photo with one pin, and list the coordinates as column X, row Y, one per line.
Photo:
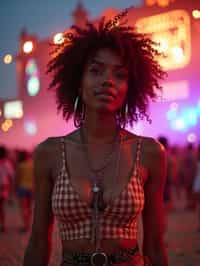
column 28, row 110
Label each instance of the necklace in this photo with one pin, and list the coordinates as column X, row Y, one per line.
column 107, row 157
column 97, row 174
column 97, row 204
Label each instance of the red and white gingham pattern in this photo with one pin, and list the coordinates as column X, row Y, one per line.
column 119, row 219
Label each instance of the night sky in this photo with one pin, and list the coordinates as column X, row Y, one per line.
column 43, row 18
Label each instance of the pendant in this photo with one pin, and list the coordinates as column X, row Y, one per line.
column 97, row 199
column 95, row 188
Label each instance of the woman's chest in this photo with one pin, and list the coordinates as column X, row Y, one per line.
column 113, row 170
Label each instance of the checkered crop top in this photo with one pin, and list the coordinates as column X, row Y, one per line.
column 118, row 220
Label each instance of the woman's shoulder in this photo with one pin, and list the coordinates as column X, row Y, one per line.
column 152, row 145
column 47, row 155
column 149, row 144
column 48, row 145
column 152, row 150
column 154, row 153
column 48, row 149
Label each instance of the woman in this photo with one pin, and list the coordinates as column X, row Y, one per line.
column 95, row 179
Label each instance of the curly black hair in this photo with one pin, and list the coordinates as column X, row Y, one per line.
column 137, row 52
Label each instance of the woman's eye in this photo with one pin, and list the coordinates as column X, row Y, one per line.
column 95, row 70
column 120, row 75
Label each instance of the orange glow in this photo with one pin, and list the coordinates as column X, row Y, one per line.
column 6, row 125
column 7, row 59
column 171, row 31
column 8, row 122
column 196, row 13
column 28, row 47
column 159, row 2
column 4, row 128
column 58, row 38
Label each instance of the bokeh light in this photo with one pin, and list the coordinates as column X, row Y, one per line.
column 13, row 109
column 7, row 59
column 190, row 116
column 6, row 125
column 33, row 86
column 179, row 124
column 191, row 137
column 196, row 13
column 31, row 67
column 30, row 128
column 28, row 47
column 58, row 38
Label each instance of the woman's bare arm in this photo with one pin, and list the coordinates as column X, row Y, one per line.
column 39, row 246
column 153, row 245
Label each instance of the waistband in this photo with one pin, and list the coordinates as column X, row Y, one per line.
column 98, row 258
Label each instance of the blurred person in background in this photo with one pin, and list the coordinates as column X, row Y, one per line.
column 6, row 183
column 170, row 179
column 98, row 180
column 196, row 188
column 187, row 173
column 175, row 152
column 24, row 183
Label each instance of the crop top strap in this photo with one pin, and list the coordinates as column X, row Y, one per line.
column 63, row 153
column 137, row 158
column 138, row 152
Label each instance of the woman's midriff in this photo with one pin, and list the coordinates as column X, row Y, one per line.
column 108, row 245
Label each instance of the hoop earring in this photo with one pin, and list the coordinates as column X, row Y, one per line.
column 126, row 110
column 78, row 120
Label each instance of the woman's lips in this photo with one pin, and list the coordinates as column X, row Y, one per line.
column 105, row 94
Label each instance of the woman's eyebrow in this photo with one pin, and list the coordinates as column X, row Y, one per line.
column 99, row 62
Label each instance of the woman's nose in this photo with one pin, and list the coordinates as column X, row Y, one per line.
column 108, row 79
column 107, row 83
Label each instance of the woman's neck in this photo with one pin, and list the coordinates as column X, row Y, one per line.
column 100, row 128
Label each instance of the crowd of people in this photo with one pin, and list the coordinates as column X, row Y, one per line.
column 183, row 177
column 16, row 185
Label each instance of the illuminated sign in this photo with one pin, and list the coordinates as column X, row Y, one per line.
column 172, row 31
column 13, row 109
column 159, row 2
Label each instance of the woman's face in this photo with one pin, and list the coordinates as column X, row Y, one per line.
column 105, row 82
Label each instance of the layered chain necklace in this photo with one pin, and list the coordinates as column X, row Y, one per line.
column 97, row 203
